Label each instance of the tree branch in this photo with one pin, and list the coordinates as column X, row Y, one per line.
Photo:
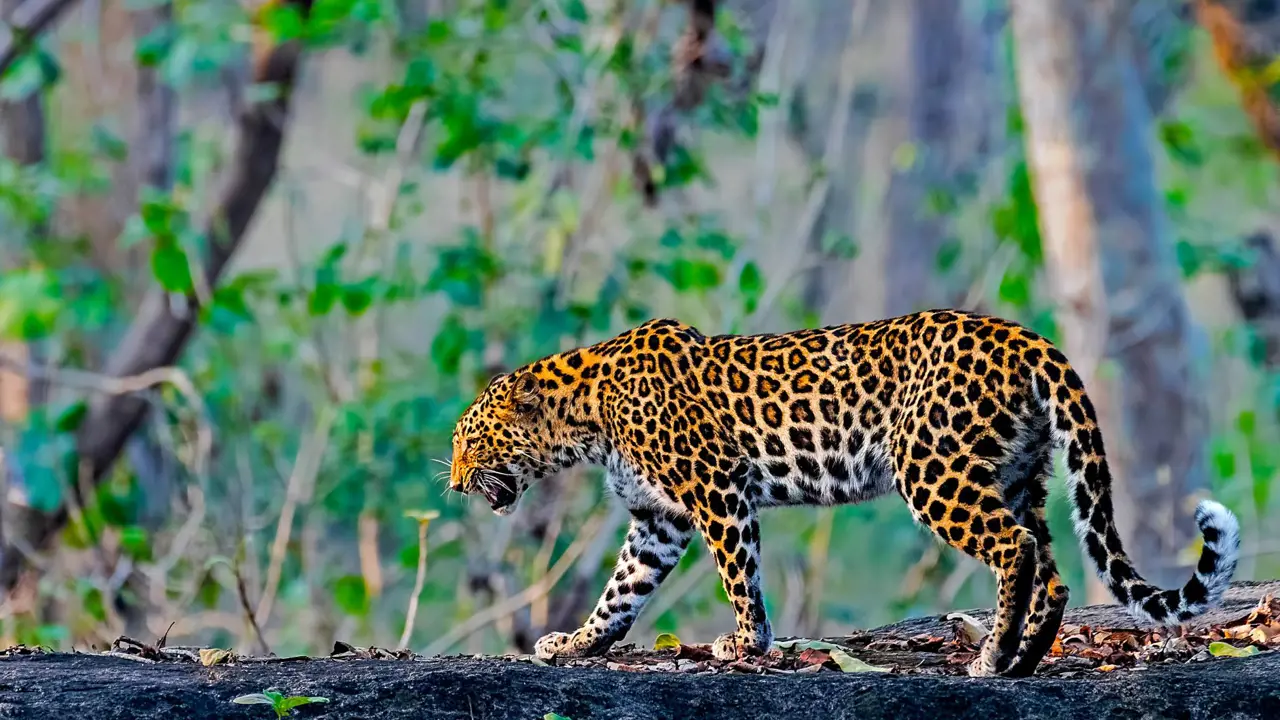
column 25, row 26
column 1246, row 41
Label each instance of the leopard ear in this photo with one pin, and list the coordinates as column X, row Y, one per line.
column 526, row 395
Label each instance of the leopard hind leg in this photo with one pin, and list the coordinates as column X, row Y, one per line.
column 1026, row 494
column 963, row 504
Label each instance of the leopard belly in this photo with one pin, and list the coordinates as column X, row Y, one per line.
column 833, row 478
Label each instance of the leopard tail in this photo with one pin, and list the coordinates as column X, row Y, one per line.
column 1076, row 431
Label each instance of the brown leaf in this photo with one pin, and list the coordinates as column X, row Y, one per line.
column 926, row 642
column 813, row 657
column 1077, row 640
column 694, row 652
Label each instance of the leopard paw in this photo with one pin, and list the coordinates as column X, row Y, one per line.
column 983, row 666
column 583, row 643
column 556, row 644
column 989, row 662
column 738, row 646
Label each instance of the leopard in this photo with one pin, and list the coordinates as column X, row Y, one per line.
column 960, row 413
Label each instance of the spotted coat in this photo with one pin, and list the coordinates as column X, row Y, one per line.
column 958, row 413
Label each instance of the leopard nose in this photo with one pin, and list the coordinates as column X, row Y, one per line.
column 457, row 478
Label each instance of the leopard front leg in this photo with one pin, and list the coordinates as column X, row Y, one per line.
column 732, row 533
column 653, row 546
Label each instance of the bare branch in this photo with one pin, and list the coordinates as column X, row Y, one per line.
column 27, row 23
column 588, row 535
column 301, row 478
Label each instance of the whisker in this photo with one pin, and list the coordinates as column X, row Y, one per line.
column 442, row 462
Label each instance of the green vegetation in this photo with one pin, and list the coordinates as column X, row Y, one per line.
column 479, row 208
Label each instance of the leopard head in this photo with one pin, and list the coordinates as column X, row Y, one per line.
column 499, row 443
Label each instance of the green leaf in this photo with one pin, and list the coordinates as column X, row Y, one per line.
column 136, row 542
column 666, row 641
column 905, row 156
column 1247, row 422
column 1224, row 461
column 1180, row 141
column 851, row 664
column 69, row 420
column 356, row 299
column 31, row 73
column 30, row 303
column 153, row 48
column 449, row 345
column 108, row 143
column 282, row 21
column 576, row 10
column 553, row 716
column 253, row 699
column 1221, row 649
column 1015, row 289
column 351, row 595
column 171, row 269
column 751, row 280
column 290, row 703
column 322, row 299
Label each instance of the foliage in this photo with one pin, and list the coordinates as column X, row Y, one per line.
column 515, row 231
column 282, row 705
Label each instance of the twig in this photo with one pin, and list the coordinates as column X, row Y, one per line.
column 383, row 196
column 247, row 608
column 28, row 21
column 913, row 579
column 771, row 119
column 177, row 549
column 542, row 562
column 489, row 615
column 412, row 615
column 108, row 385
column 303, row 475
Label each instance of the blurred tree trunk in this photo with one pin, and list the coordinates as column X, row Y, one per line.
column 97, row 95
column 954, row 105
column 832, row 114
column 1109, row 252
column 1162, row 37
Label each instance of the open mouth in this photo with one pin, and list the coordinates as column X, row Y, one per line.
column 500, row 493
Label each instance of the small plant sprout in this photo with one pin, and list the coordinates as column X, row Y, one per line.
column 424, row 518
column 281, row 704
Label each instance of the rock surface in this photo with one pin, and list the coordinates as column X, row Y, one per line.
column 105, row 687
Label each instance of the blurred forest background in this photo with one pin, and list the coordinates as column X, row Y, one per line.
column 256, row 259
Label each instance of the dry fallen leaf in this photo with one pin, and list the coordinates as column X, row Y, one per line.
column 812, row 656
column 974, row 630
column 212, row 656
